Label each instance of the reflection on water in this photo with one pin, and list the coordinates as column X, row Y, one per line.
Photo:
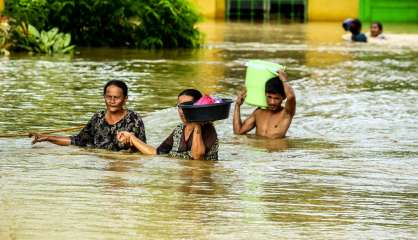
column 271, row 145
column 280, row 145
column 347, row 167
column 198, row 175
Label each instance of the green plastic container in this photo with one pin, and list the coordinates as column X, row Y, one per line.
column 258, row 73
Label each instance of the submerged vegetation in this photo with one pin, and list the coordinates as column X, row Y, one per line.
column 35, row 25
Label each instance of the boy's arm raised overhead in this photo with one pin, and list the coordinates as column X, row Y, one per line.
column 290, row 106
column 249, row 123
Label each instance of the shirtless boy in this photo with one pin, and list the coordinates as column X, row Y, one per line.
column 274, row 121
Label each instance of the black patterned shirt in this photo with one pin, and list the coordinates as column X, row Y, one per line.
column 100, row 134
column 175, row 145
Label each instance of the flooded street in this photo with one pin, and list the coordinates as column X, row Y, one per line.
column 347, row 170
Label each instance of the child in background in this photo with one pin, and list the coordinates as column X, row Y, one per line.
column 354, row 26
column 376, row 31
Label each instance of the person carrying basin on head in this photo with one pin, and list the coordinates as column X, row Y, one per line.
column 188, row 140
column 275, row 120
column 101, row 130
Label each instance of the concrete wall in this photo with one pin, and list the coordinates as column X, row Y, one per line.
column 332, row 10
column 389, row 10
column 211, row 9
column 318, row 10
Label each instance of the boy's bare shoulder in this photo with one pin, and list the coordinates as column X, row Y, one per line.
column 258, row 111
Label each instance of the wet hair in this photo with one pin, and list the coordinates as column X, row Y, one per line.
column 275, row 86
column 192, row 93
column 118, row 83
column 346, row 24
column 379, row 24
column 355, row 26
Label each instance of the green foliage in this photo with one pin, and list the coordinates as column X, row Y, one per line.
column 32, row 11
column 137, row 23
column 23, row 36
column 49, row 42
column 168, row 24
column 94, row 22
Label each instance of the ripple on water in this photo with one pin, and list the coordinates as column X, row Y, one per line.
column 347, row 167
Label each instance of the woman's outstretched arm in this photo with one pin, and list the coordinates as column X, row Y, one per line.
column 130, row 139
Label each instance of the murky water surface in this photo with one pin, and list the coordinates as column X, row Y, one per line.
column 348, row 168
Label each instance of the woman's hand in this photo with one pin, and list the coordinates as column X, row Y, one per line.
column 38, row 137
column 131, row 140
column 125, row 137
column 198, row 146
column 195, row 125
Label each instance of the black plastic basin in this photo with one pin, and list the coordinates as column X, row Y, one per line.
column 208, row 112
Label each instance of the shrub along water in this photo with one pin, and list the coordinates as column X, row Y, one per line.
column 49, row 42
column 134, row 23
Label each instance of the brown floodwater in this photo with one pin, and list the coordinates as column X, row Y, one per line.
column 348, row 168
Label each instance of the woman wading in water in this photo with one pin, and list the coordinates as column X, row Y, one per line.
column 187, row 140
